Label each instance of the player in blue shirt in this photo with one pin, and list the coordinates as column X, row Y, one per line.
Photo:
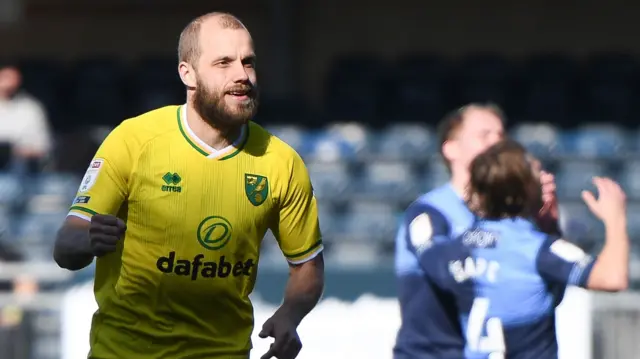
column 427, row 330
column 505, row 276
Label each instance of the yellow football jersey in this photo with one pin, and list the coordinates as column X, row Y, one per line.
column 178, row 285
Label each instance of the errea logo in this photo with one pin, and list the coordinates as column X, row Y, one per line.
column 171, row 181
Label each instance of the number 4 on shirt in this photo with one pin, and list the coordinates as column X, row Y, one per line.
column 492, row 343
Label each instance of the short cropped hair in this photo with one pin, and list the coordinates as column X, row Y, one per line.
column 189, row 45
column 503, row 183
column 452, row 121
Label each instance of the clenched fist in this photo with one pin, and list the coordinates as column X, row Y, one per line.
column 104, row 233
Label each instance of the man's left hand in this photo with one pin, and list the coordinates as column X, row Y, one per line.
column 549, row 214
column 287, row 343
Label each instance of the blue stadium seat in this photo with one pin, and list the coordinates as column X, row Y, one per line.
column 353, row 88
column 417, row 89
column 371, row 221
column 11, row 190
column 435, row 175
column 55, row 184
column 578, row 224
column 633, row 219
column 6, row 229
column 331, row 221
column 327, row 146
column 574, row 176
column 629, row 178
column 355, row 135
column 387, row 180
column 294, row 136
column 595, row 141
column 330, row 179
column 405, row 141
column 36, row 234
column 539, row 138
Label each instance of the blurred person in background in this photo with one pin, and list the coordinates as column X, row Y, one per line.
column 175, row 205
column 506, row 276
column 427, row 330
column 15, row 323
column 23, row 121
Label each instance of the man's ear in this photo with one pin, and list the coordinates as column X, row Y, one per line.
column 450, row 150
column 187, row 74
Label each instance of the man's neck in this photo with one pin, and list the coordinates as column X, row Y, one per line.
column 216, row 137
column 459, row 182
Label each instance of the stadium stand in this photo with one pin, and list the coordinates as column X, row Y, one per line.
column 371, row 148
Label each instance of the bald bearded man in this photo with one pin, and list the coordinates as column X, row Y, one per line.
column 175, row 205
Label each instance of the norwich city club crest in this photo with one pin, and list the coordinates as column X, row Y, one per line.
column 257, row 188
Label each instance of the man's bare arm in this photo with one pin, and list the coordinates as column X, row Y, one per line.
column 304, row 288
column 72, row 248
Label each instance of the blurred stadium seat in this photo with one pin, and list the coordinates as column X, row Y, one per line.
column 404, row 141
column 387, row 180
column 436, row 175
column 331, row 180
column 541, row 139
column 579, row 225
column 370, row 222
column 629, row 178
column 10, row 190
column 594, row 141
column 574, row 176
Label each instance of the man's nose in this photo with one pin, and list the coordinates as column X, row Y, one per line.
column 240, row 72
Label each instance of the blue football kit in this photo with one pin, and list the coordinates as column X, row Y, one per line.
column 430, row 328
column 504, row 279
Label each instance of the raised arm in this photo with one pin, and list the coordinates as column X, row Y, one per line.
column 91, row 225
column 564, row 263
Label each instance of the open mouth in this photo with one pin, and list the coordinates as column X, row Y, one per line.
column 240, row 94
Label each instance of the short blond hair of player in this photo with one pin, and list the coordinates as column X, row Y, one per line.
column 175, row 205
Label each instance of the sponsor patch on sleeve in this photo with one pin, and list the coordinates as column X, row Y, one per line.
column 81, row 199
column 91, row 175
column 567, row 251
column 420, row 232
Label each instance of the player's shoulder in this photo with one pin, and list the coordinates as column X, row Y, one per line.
column 270, row 145
column 442, row 195
column 437, row 202
column 152, row 123
column 135, row 132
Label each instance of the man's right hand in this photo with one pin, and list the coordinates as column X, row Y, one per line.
column 104, row 233
column 611, row 203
